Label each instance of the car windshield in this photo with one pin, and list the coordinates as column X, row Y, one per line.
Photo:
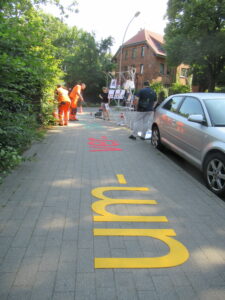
column 216, row 110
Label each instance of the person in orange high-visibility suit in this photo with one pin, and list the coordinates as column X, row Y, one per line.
column 75, row 95
column 63, row 105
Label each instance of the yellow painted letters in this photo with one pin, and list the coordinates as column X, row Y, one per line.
column 177, row 255
column 100, row 206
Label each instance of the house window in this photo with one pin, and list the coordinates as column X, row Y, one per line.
column 134, row 53
column 141, row 69
column 161, row 70
column 142, row 51
column 126, row 54
column 184, row 72
column 132, row 68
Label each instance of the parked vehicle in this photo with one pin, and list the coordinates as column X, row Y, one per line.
column 193, row 126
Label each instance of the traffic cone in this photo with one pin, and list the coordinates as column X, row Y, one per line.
column 122, row 119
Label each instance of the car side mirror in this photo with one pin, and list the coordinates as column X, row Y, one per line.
column 196, row 118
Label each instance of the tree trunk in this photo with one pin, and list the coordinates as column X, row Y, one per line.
column 212, row 84
column 211, row 75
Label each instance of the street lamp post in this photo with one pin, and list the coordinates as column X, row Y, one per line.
column 121, row 50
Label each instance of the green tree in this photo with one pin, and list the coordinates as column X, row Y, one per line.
column 87, row 61
column 195, row 35
column 37, row 51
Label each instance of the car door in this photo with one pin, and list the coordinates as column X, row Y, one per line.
column 168, row 117
column 190, row 135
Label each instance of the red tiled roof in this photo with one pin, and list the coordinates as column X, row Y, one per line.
column 154, row 40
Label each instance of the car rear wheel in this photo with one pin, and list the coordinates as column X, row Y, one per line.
column 214, row 173
column 155, row 140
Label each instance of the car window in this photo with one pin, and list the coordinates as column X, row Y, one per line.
column 191, row 106
column 216, row 108
column 173, row 103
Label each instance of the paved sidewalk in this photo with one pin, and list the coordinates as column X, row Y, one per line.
column 47, row 243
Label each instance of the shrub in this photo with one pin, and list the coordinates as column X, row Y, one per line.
column 9, row 158
column 178, row 88
column 17, row 131
column 220, row 89
column 160, row 90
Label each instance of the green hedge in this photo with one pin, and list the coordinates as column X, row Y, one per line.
column 178, row 88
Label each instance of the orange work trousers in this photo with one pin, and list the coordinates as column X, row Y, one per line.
column 73, row 113
column 64, row 108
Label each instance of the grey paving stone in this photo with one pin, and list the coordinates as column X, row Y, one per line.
column 125, row 286
column 63, row 295
column 71, row 229
column 65, row 278
column 106, row 293
column 12, row 259
column 22, row 237
column 179, row 278
column 164, row 287
column 147, row 295
column 85, row 260
column 5, row 212
column 36, row 246
column 104, row 278
column 68, row 251
column 50, row 259
column 117, row 242
column 85, row 238
column 143, row 280
column 215, row 279
column 44, row 285
column 11, row 227
column 5, row 243
column 101, row 247
column 19, row 293
column 217, row 294
column 133, row 248
column 6, row 282
column 118, row 252
column 197, row 281
column 187, row 293
column 85, row 286
column 54, row 239
column 19, row 213
column 27, row 271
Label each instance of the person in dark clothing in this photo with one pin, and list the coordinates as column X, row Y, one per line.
column 104, row 96
column 145, row 101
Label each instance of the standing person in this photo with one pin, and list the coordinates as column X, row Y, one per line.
column 79, row 103
column 104, row 96
column 146, row 99
column 63, row 105
column 76, row 95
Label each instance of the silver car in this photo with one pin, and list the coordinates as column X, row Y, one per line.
column 193, row 126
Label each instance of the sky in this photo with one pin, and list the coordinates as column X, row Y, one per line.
column 111, row 18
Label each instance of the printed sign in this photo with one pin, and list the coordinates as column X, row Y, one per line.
column 113, row 84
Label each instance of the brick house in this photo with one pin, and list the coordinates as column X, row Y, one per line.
column 145, row 53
